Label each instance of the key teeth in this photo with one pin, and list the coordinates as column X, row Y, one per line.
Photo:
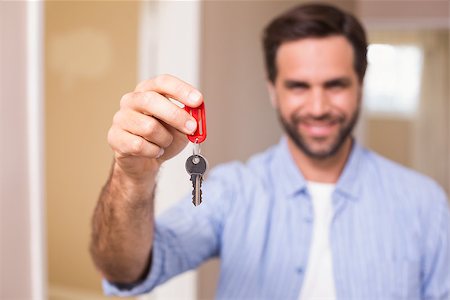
column 199, row 198
column 193, row 191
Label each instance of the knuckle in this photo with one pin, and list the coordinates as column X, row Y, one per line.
column 137, row 145
column 179, row 88
column 110, row 137
column 167, row 77
column 154, row 151
column 147, row 99
column 167, row 141
column 141, row 85
column 117, row 118
column 175, row 115
column 161, row 80
column 126, row 99
column 113, row 140
column 149, row 127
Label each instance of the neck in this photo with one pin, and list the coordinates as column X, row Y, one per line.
column 325, row 170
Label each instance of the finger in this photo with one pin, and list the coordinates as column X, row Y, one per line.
column 145, row 126
column 127, row 144
column 174, row 88
column 158, row 106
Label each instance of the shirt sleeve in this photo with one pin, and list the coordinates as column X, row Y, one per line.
column 436, row 274
column 185, row 236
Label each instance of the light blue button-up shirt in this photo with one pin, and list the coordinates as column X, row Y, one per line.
column 389, row 237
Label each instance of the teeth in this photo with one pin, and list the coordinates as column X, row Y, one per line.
column 320, row 125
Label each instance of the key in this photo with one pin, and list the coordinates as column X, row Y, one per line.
column 196, row 166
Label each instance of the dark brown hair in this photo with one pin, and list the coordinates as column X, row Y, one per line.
column 314, row 20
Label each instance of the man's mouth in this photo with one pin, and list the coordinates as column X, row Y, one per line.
column 318, row 129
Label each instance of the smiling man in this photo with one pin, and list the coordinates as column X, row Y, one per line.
column 320, row 94
column 315, row 217
column 317, row 94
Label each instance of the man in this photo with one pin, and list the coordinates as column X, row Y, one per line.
column 314, row 217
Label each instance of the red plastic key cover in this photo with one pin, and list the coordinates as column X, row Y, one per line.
column 199, row 114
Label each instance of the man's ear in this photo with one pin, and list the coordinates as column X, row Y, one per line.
column 272, row 94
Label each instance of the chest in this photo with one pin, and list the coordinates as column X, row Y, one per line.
column 374, row 250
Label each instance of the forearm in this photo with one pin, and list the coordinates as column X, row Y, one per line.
column 123, row 227
column 146, row 131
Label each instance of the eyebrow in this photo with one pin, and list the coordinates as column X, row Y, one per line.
column 296, row 83
column 340, row 81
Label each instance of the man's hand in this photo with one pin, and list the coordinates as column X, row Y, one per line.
column 147, row 130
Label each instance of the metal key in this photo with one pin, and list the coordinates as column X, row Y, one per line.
column 196, row 166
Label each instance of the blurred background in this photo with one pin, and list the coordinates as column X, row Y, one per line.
column 64, row 66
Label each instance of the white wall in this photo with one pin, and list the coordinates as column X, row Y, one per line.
column 169, row 44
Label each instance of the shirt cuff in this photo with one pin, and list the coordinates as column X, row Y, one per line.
column 152, row 279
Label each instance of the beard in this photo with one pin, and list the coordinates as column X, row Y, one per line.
column 329, row 145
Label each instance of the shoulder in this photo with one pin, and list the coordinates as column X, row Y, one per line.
column 231, row 187
column 242, row 181
column 255, row 169
column 417, row 204
column 400, row 175
column 403, row 182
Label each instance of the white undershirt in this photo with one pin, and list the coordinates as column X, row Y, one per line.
column 318, row 283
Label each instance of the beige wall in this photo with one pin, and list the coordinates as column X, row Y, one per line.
column 391, row 137
column 393, row 14
column 90, row 61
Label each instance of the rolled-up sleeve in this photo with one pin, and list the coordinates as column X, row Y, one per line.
column 148, row 283
column 185, row 236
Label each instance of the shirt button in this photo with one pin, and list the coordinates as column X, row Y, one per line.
column 299, row 270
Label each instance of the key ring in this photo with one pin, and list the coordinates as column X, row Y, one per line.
column 196, row 148
column 199, row 115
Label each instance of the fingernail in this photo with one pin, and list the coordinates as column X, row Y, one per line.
column 194, row 97
column 191, row 125
column 160, row 153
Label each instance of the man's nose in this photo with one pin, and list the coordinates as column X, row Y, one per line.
column 318, row 102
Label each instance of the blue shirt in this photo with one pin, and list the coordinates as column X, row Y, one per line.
column 389, row 236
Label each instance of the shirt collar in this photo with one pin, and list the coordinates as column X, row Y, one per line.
column 293, row 182
column 348, row 183
column 287, row 174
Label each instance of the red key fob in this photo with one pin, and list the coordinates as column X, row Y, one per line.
column 199, row 115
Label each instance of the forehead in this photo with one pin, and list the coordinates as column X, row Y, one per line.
column 316, row 57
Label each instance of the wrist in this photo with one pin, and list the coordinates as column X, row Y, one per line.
column 136, row 170
column 135, row 185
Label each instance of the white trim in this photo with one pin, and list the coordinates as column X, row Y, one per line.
column 167, row 46
column 35, row 148
column 70, row 293
column 148, row 36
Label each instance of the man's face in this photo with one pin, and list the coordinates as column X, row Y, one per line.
column 317, row 93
